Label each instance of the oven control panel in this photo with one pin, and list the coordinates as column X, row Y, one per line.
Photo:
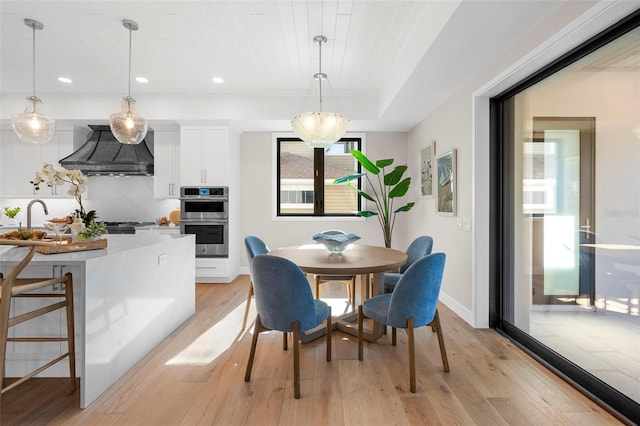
column 208, row 191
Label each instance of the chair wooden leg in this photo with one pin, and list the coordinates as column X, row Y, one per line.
column 254, row 342
column 360, row 332
column 71, row 346
column 443, row 350
column 5, row 306
column 329, row 335
column 317, row 287
column 412, row 356
column 352, row 295
column 296, row 360
column 246, row 309
column 285, row 341
column 393, row 336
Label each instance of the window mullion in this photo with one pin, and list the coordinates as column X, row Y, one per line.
column 318, row 181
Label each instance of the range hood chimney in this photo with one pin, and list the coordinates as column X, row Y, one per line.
column 102, row 154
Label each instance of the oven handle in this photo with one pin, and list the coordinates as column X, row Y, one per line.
column 205, row 222
column 205, row 198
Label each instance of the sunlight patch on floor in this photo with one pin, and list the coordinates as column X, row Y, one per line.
column 215, row 341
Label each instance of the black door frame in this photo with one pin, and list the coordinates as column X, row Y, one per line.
column 501, row 222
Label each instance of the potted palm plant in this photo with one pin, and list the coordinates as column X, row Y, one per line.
column 387, row 187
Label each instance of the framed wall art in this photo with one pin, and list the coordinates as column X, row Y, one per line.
column 427, row 154
column 446, row 176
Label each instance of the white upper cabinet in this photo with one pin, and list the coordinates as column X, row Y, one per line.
column 20, row 162
column 166, row 168
column 203, row 155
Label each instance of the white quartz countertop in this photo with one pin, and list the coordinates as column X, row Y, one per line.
column 159, row 227
column 116, row 243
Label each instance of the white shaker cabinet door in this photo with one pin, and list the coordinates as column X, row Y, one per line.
column 11, row 170
column 21, row 161
column 191, row 172
column 203, row 155
column 215, row 157
column 166, row 175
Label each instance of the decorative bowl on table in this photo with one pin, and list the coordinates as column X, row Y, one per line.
column 335, row 241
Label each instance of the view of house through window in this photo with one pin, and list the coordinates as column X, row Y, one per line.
column 306, row 175
column 574, row 283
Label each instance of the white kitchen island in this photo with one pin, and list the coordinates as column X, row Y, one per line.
column 128, row 298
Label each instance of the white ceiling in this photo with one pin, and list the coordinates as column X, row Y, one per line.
column 389, row 63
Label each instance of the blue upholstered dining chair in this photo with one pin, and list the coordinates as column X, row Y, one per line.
column 413, row 304
column 254, row 246
column 284, row 302
column 419, row 247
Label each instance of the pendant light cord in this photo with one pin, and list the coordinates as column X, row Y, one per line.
column 34, row 60
column 129, row 87
column 320, row 50
column 320, row 71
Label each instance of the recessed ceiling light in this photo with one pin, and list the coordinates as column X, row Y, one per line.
column 217, row 80
column 65, row 80
column 142, row 80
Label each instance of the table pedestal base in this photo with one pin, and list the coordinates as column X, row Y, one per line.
column 348, row 323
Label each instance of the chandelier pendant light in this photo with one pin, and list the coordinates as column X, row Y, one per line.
column 127, row 126
column 32, row 126
column 320, row 129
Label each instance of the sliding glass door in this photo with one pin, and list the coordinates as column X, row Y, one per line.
column 567, row 150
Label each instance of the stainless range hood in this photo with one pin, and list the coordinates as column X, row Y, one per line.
column 102, row 154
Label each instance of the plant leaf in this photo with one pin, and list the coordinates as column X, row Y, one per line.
column 395, row 175
column 405, row 208
column 367, row 213
column 384, row 163
column 400, row 189
column 348, row 178
column 366, row 163
column 365, row 195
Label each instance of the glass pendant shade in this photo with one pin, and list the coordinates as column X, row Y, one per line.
column 31, row 126
column 319, row 129
column 127, row 126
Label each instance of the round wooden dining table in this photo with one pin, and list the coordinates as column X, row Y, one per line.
column 365, row 261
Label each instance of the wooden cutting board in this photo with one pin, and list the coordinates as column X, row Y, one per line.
column 67, row 246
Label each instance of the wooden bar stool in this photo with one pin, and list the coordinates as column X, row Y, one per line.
column 14, row 287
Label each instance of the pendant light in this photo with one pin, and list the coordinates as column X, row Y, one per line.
column 320, row 129
column 31, row 126
column 127, row 126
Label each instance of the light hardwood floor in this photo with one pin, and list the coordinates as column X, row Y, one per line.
column 196, row 377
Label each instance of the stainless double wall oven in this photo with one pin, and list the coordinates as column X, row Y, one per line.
column 204, row 211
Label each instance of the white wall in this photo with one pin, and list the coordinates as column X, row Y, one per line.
column 449, row 127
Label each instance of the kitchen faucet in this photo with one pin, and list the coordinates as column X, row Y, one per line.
column 31, row 203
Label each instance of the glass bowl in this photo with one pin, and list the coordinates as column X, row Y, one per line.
column 335, row 241
column 58, row 228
